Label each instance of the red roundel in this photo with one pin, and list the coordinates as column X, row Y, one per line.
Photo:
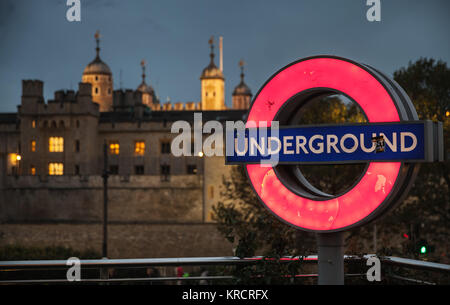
column 379, row 178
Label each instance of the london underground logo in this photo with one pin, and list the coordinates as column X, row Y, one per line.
column 391, row 144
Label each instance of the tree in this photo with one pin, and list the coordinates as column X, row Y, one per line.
column 426, row 212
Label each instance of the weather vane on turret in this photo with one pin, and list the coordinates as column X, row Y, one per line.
column 241, row 65
column 143, row 63
column 97, row 40
column 211, row 42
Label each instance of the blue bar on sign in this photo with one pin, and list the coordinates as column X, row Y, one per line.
column 328, row 144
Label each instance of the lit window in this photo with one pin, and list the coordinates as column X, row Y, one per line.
column 139, row 148
column 32, row 170
column 114, row 148
column 33, row 146
column 55, row 169
column 56, row 144
column 33, row 124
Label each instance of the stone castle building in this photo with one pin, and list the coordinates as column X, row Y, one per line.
column 52, row 161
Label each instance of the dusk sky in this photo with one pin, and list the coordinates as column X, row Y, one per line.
column 37, row 42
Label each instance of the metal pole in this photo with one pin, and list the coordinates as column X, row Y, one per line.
column 204, row 191
column 331, row 258
column 105, row 200
column 375, row 239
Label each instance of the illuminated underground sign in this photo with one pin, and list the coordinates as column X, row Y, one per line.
column 332, row 143
column 391, row 144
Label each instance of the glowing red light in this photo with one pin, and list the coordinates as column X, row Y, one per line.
column 379, row 178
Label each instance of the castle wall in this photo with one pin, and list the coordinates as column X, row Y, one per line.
column 124, row 240
column 147, row 217
column 80, row 199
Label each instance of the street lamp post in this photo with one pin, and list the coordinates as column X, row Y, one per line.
column 105, row 200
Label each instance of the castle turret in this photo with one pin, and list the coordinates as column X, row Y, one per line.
column 213, row 85
column 242, row 95
column 98, row 74
column 32, row 95
column 148, row 93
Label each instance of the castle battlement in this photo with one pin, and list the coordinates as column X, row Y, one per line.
column 64, row 102
column 126, row 98
column 32, row 88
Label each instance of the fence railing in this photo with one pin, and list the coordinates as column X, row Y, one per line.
column 44, row 271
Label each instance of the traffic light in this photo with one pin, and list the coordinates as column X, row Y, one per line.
column 423, row 247
column 423, row 250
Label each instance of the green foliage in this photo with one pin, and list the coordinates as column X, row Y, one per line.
column 425, row 214
column 332, row 109
column 427, row 83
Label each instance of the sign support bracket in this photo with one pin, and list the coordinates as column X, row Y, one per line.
column 331, row 258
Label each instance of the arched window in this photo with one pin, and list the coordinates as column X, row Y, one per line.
column 45, row 124
column 61, row 124
column 54, row 124
column 96, row 90
column 77, row 124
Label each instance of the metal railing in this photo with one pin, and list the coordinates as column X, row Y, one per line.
column 9, row 268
